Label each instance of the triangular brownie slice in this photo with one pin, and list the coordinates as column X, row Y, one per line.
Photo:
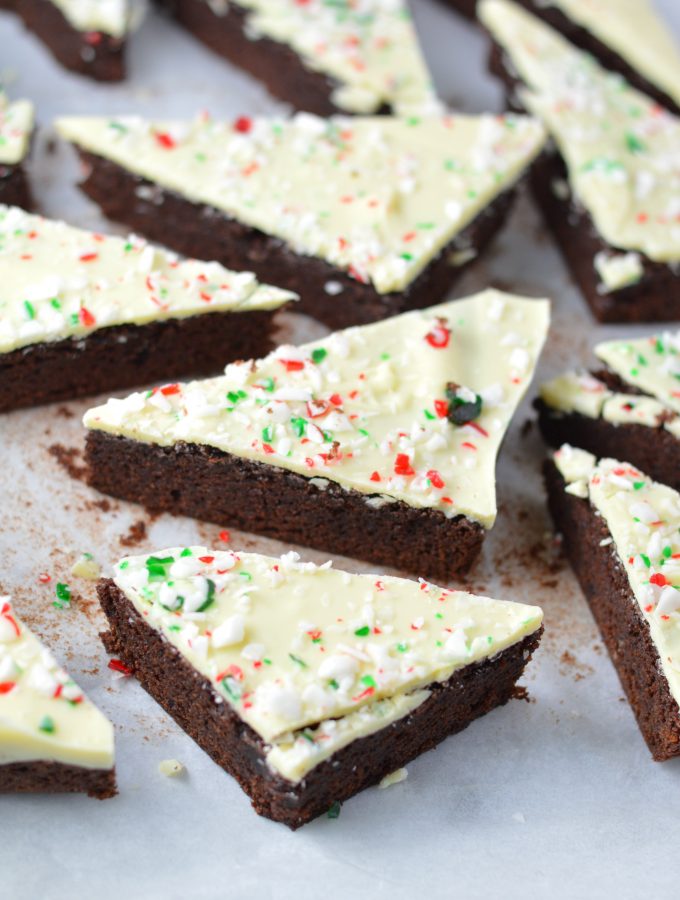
column 16, row 128
column 629, row 406
column 289, row 674
column 378, row 442
column 362, row 217
column 610, row 194
column 85, row 36
column 82, row 312
column 321, row 57
column 52, row 738
column 622, row 535
column 625, row 36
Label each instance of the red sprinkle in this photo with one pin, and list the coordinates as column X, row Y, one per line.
column 6, row 686
column 206, row 559
column 402, row 465
column 243, row 124
column 119, row 666
column 224, row 536
column 293, row 365
column 439, row 337
column 375, row 477
column 441, row 407
column 44, row 578
column 86, row 317
column 659, row 580
column 88, row 257
column 166, row 140
column 436, row 479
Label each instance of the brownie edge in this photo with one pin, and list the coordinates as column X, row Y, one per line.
column 653, row 450
column 49, row 777
column 615, row 609
column 191, row 700
column 209, row 484
column 127, row 356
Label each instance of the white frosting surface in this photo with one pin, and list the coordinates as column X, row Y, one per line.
column 312, row 657
column 622, row 151
column 376, row 197
column 366, row 407
column 43, row 714
column 113, row 17
column 60, row 282
column 634, row 30
column 369, row 46
column 651, row 364
column 643, row 518
column 16, row 126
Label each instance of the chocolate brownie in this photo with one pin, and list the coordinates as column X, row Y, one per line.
column 354, row 444
column 629, row 409
column 14, row 188
column 77, row 38
column 306, row 703
column 84, row 313
column 627, row 574
column 53, row 738
column 312, row 233
column 321, row 57
column 618, row 240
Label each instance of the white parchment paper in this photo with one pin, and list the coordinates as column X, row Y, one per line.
column 556, row 797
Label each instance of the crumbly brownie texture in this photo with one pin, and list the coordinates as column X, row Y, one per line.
column 207, row 484
column 617, row 613
column 46, row 777
column 346, row 70
column 620, row 281
column 14, row 188
column 128, row 355
column 328, row 294
column 197, row 703
column 467, row 8
column 92, row 53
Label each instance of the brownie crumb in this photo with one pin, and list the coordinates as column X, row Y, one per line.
column 136, row 534
column 69, row 458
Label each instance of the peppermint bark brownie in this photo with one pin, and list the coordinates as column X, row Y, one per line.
column 610, row 191
column 630, row 407
column 85, row 36
column 16, row 128
column 52, row 738
column 378, row 442
column 81, row 313
column 621, row 533
column 363, row 217
column 625, row 36
column 305, row 683
column 322, row 57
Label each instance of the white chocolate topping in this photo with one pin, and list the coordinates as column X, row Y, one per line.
column 16, row 126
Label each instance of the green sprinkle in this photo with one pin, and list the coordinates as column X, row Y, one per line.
column 246, row 575
column 47, row 725
column 364, row 631
column 667, row 552
column 55, row 303
column 299, row 425
column 333, row 684
column 334, row 811
column 268, row 434
column 369, row 681
column 186, row 552
column 30, row 309
column 633, row 143
column 124, row 564
column 210, row 597
column 407, row 256
column 319, row 354
column 637, row 485
column 308, row 736
column 439, row 615
column 300, row 662
column 156, row 567
column 402, row 647
column 645, row 560
column 63, row 594
column 232, row 687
